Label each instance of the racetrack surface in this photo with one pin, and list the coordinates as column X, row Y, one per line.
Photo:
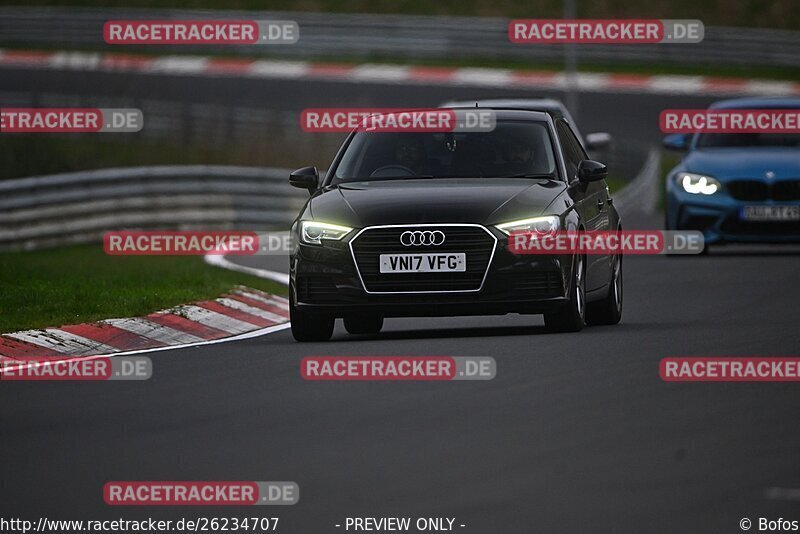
column 577, row 432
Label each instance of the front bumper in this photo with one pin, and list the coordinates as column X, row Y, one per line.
column 718, row 217
column 324, row 279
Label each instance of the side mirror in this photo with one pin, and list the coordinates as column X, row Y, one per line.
column 676, row 141
column 597, row 140
column 305, row 178
column 591, row 171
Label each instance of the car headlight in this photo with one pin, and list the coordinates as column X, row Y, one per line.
column 697, row 184
column 547, row 225
column 312, row 233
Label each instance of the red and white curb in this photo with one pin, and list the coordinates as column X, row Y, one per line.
column 244, row 312
column 391, row 74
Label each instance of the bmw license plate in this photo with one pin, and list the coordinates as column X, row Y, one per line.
column 424, row 263
column 770, row 213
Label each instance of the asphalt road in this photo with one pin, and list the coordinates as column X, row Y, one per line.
column 631, row 118
column 626, row 115
column 576, row 433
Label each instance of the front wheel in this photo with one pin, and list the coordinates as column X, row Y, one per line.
column 571, row 317
column 608, row 310
column 307, row 326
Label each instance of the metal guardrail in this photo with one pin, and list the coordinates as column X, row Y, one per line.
column 365, row 36
column 79, row 207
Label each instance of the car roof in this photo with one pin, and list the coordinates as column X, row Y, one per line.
column 554, row 107
column 511, row 113
column 520, row 103
column 777, row 102
column 548, row 105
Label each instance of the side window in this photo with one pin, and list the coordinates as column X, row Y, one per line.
column 575, row 143
column 572, row 151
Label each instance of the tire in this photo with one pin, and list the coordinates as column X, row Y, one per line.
column 571, row 317
column 609, row 310
column 363, row 324
column 307, row 326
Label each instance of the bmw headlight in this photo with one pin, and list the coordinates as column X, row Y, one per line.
column 312, row 232
column 697, row 184
column 547, row 225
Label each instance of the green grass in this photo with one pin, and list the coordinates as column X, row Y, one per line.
column 615, row 183
column 82, row 284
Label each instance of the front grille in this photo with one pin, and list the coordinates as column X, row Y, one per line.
column 786, row 190
column 539, row 284
column 748, row 190
column 755, row 190
column 475, row 241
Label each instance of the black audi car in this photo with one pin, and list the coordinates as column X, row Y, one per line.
column 417, row 224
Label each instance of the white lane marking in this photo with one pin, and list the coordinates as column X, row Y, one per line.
column 490, row 77
column 676, row 84
column 783, row 494
column 192, row 65
column 766, row 87
column 179, row 64
column 384, row 73
column 641, row 193
column 214, row 319
column 76, row 60
column 278, row 69
column 143, row 327
column 589, row 81
column 61, row 341
column 252, row 310
column 283, row 304
column 224, row 263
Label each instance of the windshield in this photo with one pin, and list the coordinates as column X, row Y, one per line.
column 512, row 149
column 748, row 140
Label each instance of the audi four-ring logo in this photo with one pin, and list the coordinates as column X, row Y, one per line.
column 422, row 237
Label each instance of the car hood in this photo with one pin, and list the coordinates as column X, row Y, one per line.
column 483, row 201
column 755, row 162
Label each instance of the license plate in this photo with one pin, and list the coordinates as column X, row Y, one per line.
column 770, row 213
column 423, row 263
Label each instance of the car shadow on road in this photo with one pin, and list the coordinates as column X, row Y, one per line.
column 504, row 331
column 465, row 332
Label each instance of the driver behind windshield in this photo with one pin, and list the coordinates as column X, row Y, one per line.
column 410, row 153
column 518, row 156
